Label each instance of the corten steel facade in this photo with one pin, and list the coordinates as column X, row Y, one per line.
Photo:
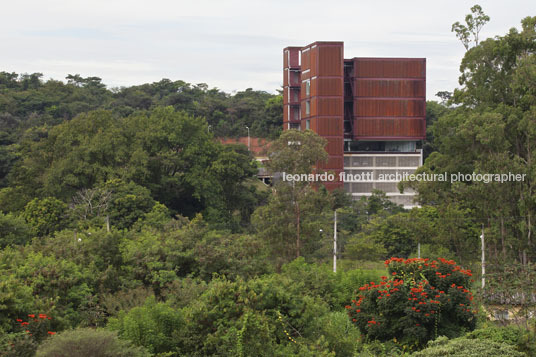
column 371, row 111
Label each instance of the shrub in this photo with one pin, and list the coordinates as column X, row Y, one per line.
column 523, row 340
column 334, row 288
column 30, row 331
column 88, row 342
column 464, row 347
column 421, row 300
column 46, row 215
column 151, row 326
column 18, row 344
column 341, row 335
column 267, row 316
column 13, row 230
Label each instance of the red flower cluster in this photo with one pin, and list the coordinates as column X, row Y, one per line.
column 34, row 320
column 421, row 289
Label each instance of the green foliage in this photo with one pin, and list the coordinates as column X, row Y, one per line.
column 421, row 300
column 156, row 218
column 462, row 347
column 34, row 281
column 475, row 22
column 215, row 320
column 490, row 130
column 13, row 230
column 522, row 339
column 88, row 343
column 128, row 203
column 296, row 152
column 294, row 228
column 361, row 247
column 334, row 288
column 101, row 161
column 232, row 255
column 341, row 335
column 46, row 216
column 394, row 233
column 17, row 344
column 16, row 297
column 153, row 326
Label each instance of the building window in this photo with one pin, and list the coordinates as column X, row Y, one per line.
column 308, row 87
column 307, row 124
column 308, row 107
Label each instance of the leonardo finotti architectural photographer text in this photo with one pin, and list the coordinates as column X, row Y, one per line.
column 368, row 176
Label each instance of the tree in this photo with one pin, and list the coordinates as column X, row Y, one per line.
column 152, row 326
column 491, row 130
column 474, row 25
column 14, row 230
column 46, row 216
column 294, row 206
column 420, row 300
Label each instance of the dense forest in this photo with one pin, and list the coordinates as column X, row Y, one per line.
column 127, row 229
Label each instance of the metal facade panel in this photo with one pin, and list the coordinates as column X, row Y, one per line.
column 394, row 128
column 390, row 107
column 333, row 163
column 305, row 59
column 330, row 86
column 390, row 67
column 327, row 126
column 390, row 88
column 330, row 60
column 314, row 88
column 335, row 147
column 330, row 106
column 313, row 66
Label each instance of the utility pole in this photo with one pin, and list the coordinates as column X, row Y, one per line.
column 419, row 250
column 335, row 242
column 249, row 139
column 483, row 258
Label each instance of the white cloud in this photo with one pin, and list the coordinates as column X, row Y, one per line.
column 232, row 44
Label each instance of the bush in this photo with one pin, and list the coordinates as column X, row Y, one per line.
column 87, row 342
column 320, row 281
column 46, row 215
column 464, row 347
column 421, row 300
column 152, row 326
column 523, row 340
column 267, row 316
column 341, row 335
column 18, row 344
column 13, row 230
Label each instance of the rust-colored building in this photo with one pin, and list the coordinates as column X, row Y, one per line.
column 371, row 110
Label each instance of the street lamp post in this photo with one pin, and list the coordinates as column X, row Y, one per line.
column 249, row 140
column 334, row 240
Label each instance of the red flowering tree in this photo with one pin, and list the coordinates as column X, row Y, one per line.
column 420, row 300
column 30, row 330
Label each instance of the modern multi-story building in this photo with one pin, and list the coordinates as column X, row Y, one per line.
column 372, row 111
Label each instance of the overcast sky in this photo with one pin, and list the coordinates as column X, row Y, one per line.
column 235, row 44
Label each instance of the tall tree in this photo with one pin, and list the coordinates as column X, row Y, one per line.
column 295, row 208
column 492, row 129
